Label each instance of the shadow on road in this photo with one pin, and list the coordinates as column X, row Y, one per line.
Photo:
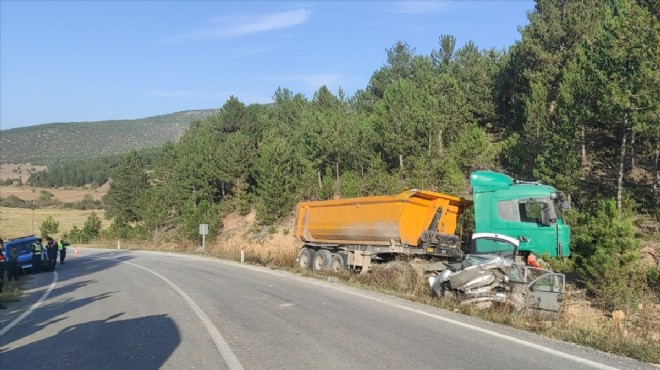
column 138, row 343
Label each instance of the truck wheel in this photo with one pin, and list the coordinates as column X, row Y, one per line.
column 305, row 258
column 338, row 263
column 321, row 260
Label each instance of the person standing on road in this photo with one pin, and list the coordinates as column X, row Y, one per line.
column 37, row 248
column 2, row 264
column 12, row 264
column 51, row 252
column 61, row 246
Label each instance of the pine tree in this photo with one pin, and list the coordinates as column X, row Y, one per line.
column 129, row 180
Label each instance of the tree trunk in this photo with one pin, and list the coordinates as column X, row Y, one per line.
column 622, row 154
column 583, row 144
column 551, row 115
column 401, row 160
column 632, row 150
column 337, row 167
column 440, row 145
column 655, row 178
column 318, row 175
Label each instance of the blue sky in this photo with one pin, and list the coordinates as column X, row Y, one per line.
column 64, row 61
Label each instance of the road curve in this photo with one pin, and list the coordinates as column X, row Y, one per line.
column 147, row 310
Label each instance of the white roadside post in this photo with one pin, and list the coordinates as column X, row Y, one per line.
column 203, row 230
column 242, row 254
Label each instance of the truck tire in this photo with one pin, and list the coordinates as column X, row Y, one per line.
column 321, row 260
column 338, row 262
column 305, row 258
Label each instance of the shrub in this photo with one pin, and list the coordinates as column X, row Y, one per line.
column 92, row 226
column 13, row 201
column 91, row 229
column 653, row 279
column 49, row 227
column 608, row 258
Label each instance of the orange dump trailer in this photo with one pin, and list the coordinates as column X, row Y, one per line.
column 354, row 232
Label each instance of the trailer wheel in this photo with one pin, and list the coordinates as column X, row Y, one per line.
column 321, row 260
column 305, row 258
column 338, row 263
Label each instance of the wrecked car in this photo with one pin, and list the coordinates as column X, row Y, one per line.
column 484, row 279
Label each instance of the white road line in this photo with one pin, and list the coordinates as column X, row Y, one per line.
column 225, row 351
column 32, row 308
column 537, row 347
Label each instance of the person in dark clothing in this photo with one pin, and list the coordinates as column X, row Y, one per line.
column 51, row 252
column 12, row 264
column 2, row 264
column 37, row 248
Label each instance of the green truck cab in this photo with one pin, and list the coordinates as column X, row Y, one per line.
column 530, row 212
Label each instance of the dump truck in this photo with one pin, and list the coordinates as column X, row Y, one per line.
column 358, row 232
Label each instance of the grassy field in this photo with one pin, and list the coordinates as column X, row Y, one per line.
column 15, row 222
column 28, row 193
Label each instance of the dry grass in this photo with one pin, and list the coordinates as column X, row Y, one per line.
column 15, row 222
column 19, row 171
column 12, row 291
column 65, row 194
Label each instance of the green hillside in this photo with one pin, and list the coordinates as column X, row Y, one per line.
column 44, row 144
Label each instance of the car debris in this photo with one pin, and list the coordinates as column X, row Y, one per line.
column 485, row 279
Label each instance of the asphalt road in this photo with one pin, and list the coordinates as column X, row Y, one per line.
column 145, row 310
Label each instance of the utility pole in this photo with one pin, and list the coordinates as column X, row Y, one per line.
column 32, row 226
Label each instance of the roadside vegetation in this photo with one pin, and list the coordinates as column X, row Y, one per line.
column 573, row 104
column 583, row 320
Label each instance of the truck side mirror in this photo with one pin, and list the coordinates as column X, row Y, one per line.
column 566, row 204
column 545, row 214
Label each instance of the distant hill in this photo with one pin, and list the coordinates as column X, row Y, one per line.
column 44, row 144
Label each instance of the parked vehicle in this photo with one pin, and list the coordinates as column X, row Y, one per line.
column 354, row 233
column 24, row 246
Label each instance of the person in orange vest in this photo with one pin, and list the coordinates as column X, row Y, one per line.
column 61, row 246
column 37, row 248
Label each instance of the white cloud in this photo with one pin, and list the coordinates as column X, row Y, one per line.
column 235, row 26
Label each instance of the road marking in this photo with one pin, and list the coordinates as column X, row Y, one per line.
column 538, row 347
column 32, row 308
column 221, row 344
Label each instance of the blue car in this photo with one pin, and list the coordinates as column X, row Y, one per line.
column 24, row 246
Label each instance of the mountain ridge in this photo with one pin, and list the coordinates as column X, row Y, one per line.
column 50, row 142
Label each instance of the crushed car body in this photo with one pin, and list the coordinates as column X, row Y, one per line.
column 484, row 279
